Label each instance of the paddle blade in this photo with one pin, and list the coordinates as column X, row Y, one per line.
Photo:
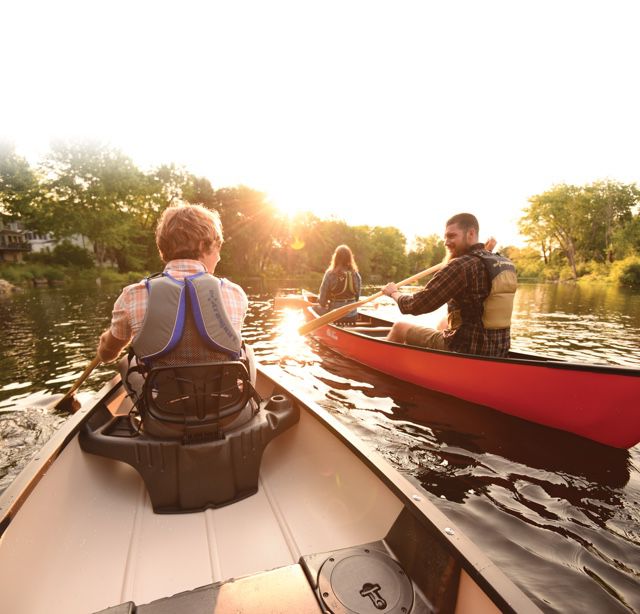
column 68, row 401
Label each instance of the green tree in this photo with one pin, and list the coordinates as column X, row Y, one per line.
column 426, row 252
column 18, row 184
column 388, row 253
column 608, row 208
column 90, row 189
column 553, row 218
column 253, row 230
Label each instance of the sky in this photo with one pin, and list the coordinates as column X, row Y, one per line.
column 383, row 113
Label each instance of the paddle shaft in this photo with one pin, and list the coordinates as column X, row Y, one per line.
column 336, row 314
column 85, row 374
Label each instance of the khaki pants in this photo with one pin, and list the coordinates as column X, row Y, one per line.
column 425, row 337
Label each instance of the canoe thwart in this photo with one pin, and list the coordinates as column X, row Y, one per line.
column 172, row 470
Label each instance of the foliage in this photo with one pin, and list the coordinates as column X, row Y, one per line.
column 71, row 255
column 18, row 183
column 93, row 190
column 593, row 222
column 529, row 264
column 627, row 272
column 89, row 189
column 31, row 272
column 426, row 252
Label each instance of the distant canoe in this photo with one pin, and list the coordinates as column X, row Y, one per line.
column 599, row 402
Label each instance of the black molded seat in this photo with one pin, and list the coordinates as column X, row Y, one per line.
column 206, row 464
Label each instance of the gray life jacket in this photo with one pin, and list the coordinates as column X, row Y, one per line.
column 164, row 321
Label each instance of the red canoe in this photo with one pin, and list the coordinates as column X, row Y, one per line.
column 598, row 402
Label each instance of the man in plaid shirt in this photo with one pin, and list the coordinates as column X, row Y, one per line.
column 464, row 285
column 189, row 238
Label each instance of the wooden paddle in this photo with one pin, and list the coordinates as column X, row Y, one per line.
column 336, row 314
column 85, row 374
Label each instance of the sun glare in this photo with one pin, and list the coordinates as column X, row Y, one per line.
column 289, row 343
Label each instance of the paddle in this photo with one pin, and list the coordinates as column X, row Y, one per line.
column 85, row 374
column 336, row 314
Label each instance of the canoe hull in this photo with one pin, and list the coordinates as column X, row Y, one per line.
column 599, row 403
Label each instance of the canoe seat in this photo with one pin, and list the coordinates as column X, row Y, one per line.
column 200, row 460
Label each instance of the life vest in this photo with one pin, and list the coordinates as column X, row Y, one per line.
column 344, row 287
column 164, row 323
column 498, row 306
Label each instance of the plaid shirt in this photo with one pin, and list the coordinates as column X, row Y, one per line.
column 464, row 285
column 130, row 307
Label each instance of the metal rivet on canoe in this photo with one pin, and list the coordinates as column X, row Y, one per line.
column 449, row 531
column 416, row 497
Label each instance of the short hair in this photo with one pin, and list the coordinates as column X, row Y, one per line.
column 343, row 259
column 466, row 221
column 187, row 231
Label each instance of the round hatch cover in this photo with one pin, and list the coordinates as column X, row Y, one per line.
column 360, row 580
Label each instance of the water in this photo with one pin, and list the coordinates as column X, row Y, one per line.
column 559, row 514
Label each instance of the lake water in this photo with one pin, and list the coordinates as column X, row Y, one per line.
column 559, row 514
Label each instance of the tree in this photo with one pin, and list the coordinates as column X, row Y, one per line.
column 608, row 208
column 426, row 252
column 18, row 184
column 554, row 217
column 252, row 228
column 90, row 189
column 388, row 253
column 587, row 222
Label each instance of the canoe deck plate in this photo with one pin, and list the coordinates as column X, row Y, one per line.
column 364, row 580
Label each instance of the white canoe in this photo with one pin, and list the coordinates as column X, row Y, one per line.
column 332, row 528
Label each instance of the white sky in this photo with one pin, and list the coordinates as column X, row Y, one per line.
column 390, row 113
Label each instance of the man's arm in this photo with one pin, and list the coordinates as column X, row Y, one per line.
column 445, row 284
column 109, row 347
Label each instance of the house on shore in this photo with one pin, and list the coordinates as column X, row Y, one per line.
column 16, row 241
column 13, row 242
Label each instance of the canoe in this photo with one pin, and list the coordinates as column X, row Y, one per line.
column 329, row 526
column 599, row 402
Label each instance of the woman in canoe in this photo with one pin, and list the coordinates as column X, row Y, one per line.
column 341, row 283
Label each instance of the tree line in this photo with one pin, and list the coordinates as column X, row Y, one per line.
column 94, row 190
column 586, row 228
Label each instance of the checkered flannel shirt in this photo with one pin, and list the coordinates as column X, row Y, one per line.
column 464, row 285
column 131, row 306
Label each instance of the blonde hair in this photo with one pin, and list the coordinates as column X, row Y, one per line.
column 187, row 231
column 343, row 260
